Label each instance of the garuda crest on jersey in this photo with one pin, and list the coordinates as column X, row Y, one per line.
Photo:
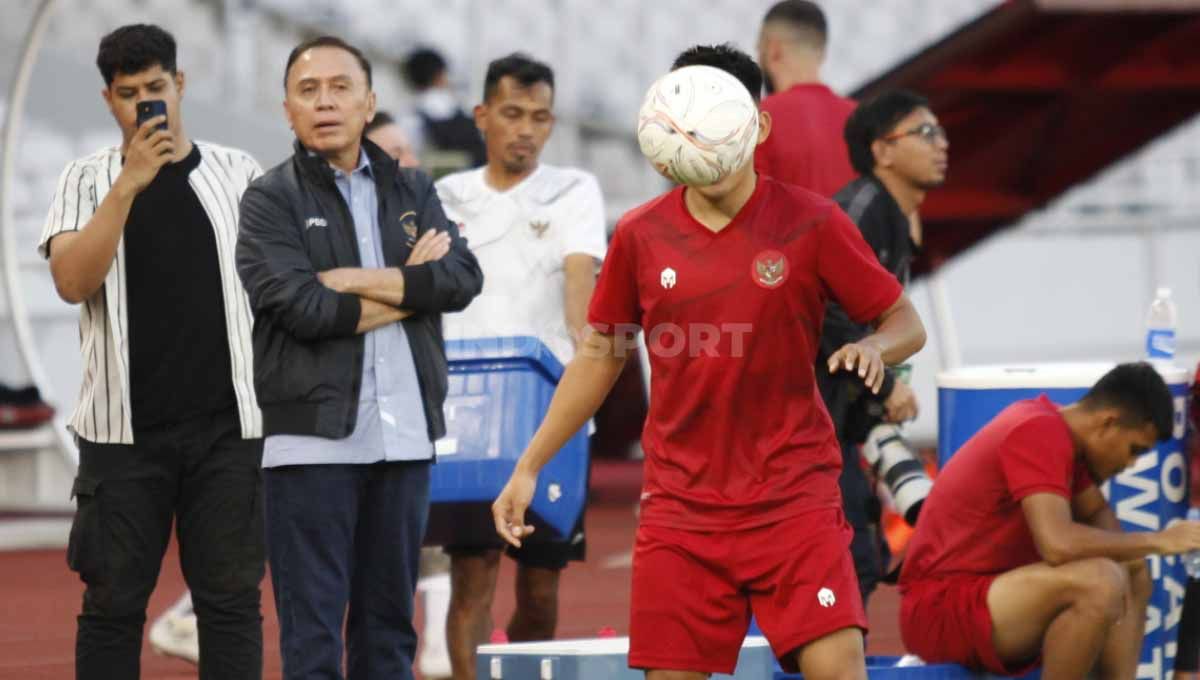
column 770, row 269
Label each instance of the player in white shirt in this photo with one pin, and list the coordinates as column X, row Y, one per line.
column 538, row 232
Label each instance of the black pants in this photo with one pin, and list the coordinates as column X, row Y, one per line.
column 203, row 475
column 862, row 509
column 344, row 543
column 1187, row 659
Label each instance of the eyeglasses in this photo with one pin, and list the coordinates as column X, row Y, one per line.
column 929, row 132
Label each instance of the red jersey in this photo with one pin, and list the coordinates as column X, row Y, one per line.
column 972, row 521
column 807, row 146
column 737, row 435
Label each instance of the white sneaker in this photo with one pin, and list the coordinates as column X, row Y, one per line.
column 174, row 632
column 433, row 660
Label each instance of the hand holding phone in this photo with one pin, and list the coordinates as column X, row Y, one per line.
column 151, row 146
column 149, row 109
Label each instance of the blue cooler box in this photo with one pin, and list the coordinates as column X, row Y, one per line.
column 499, row 390
column 887, row 668
column 597, row 659
column 1147, row 496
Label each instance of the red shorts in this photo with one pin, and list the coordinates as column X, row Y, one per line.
column 694, row 591
column 947, row 620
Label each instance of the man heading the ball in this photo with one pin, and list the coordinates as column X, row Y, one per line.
column 740, row 510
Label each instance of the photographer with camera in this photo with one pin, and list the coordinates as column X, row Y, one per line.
column 900, row 152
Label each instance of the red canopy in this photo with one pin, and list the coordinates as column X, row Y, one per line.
column 1038, row 96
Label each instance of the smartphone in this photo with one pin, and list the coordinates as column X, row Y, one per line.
column 149, row 109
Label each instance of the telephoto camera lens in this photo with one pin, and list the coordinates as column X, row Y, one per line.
column 896, row 464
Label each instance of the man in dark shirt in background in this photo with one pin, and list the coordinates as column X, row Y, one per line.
column 900, row 152
column 440, row 124
column 805, row 147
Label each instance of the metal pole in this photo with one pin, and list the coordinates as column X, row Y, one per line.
column 17, row 93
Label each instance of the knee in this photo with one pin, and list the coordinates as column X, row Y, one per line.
column 227, row 585
column 119, row 592
column 227, row 606
column 1103, row 586
column 540, row 598
column 105, row 601
column 473, row 580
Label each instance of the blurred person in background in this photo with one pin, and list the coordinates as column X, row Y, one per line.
column 349, row 263
column 539, row 234
column 387, row 134
column 1187, row 656
column 900, row 152
column 439, row 123
column 807, row 118
column 142, row 236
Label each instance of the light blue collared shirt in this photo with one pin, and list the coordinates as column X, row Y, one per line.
column 391, row 418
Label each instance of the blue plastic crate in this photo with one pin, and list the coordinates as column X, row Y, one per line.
column 884, row 668
column 499, row 391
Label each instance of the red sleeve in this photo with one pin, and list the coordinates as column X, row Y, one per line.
column 1037, row 456
column 851, row 272
column 615, row 300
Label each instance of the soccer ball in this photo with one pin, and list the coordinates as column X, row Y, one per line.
column 697, row 125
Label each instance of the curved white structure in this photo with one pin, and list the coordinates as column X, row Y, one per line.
column 8, row 247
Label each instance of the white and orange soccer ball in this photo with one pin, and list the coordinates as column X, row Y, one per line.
column 697, row 125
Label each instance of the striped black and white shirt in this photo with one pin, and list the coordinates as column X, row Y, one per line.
column 102, row 414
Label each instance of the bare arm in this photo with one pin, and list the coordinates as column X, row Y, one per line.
column 376, row 315
column 898, row 335
column 579, row 274
column 584, row 384
column 1089, row 507
column 1060, row 539
column 79, row 260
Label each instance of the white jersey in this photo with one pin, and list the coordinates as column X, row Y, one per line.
column 521, row 237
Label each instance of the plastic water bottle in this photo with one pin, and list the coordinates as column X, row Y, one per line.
column 1161, row 320
column 1191, row 561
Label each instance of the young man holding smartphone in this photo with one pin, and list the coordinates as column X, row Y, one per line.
column 142, row 236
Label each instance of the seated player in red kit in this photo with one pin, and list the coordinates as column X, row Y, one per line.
column 1018, row 561
column 740, row 509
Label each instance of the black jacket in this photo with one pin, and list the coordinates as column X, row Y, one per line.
column 886, row 229
column 307, row 356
